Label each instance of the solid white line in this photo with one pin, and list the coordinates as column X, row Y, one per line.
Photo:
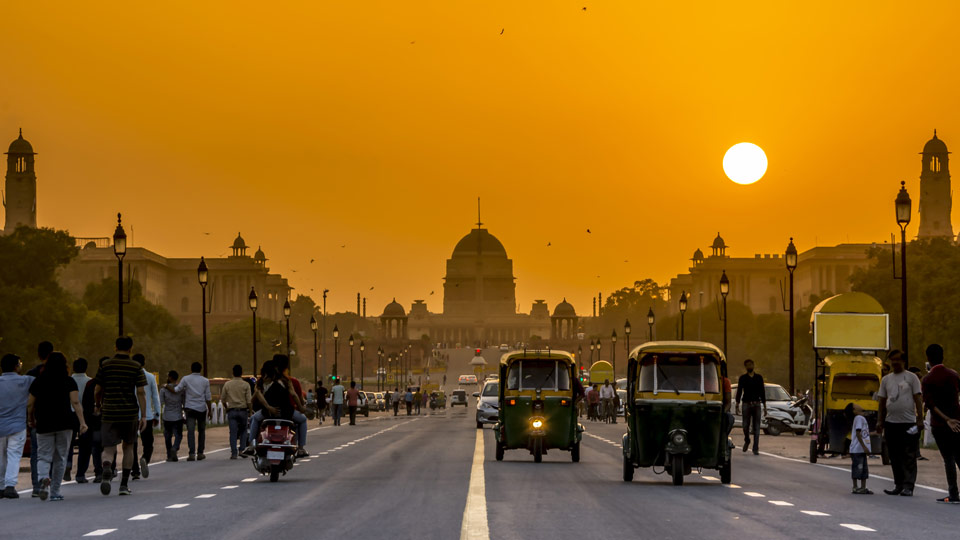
column 855, row 527
column 175, row 506
column 142, row 517
column 780, row 503
column 99, row 532
column 206, row 496
column 847, row 470
column 474, row 525
column 814, row 513
column 249, row 480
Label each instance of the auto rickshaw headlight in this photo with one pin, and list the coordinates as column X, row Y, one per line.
column 537, row 423
column 679, row 438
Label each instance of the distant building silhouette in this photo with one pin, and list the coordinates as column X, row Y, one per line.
column 936, row 198
column 20, row 195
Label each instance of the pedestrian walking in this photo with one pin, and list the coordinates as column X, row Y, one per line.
column 353, row 401
column 54, row 410
column 321, row 394
column 123, row 405
column 859, row 448
column 941, row 388
column 396, row 401
column 338, row 392
column 145, row 447
column 417, row 397
column 196, row 405
column 15, row 389
column 79, row 376
column 750, row 390
column 238, row 401
column 44, row 348
column 900, row 420
column 593, row 403
column 90, row 445
column 172, row 415
column 408, row 399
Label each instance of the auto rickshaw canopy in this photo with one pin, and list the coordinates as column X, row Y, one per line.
column 601, row 371
column 850, row 321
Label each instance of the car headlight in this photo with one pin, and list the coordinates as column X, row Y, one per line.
column 537, row 423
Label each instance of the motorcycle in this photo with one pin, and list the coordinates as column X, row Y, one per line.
column 795, row 417
column 276, row 450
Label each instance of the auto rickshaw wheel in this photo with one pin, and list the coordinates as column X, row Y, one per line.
column 676, row 469
column 726, row 472
column 537, row 450
column 627, row 470
column 814, row 451
column 499, row 451
column 575, row 452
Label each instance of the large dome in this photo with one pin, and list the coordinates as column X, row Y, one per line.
column 933, row 146
column 20, row 146
column 394, row 309
column 479, row 239
column 564, row 309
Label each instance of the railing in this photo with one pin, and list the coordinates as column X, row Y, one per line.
column 97, row 241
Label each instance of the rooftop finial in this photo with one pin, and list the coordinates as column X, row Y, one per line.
column 21, row 132
column 479, row 222
column 118, row 218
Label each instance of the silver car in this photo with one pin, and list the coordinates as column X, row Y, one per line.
column 488, row 404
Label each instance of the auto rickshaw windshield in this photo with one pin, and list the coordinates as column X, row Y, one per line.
column 854, row 385
column 678, row 373
column 536, row 374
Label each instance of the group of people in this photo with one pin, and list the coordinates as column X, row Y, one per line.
column 601, row 403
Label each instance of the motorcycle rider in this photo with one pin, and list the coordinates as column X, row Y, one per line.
column 274, row 393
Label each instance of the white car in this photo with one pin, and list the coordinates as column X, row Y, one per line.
column 458, row 397
column 488, row 404
column 777, row 397
column 504, row 347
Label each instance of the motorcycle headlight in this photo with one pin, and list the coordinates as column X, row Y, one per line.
column 537, row 423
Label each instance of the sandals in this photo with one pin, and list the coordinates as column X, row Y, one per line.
column 862, row 491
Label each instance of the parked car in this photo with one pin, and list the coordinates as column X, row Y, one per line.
column 504, row 347
column 458, row 397
column 381, row 401
column 467, row 379
column 488, row 404
column 621, row 410
column 777, row 398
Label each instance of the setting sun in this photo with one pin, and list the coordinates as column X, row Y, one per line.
column 745, row 163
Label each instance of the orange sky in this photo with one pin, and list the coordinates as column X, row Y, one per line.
column 376, row 125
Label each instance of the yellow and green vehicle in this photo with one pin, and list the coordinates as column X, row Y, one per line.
column 537, row 411
column 675, row 412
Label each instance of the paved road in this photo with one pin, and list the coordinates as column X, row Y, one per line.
column 410, row 478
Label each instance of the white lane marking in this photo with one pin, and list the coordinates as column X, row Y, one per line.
column 305, row 460
column 780, row 503
column 847, row 470
column 323, row 453
column 814, row 513
column 229, row 487
column 142, row 517
column 753, row 494
column 474, row 525
column 175, row 506
column 206, row 496
column 732, row 486
column 855, row 527
column 711, row 478
column 100, row 532
column 249, row 480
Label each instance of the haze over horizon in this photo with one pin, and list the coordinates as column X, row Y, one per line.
column 354, row 149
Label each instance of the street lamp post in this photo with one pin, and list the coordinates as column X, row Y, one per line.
column 651, row 319
column 613, row 352
column 598, row 350
column 626, row 331
column 791, row 258
column 350, row 342
column 402, row 368
column 336, row 350
column 286, row 315
column 202, row 276
column 904, row 207
column 381, row 373
column 724, row 291
column 591, row 351
column 120, row 250
column 323, row 335
column 361, row 364
column 683, row 311
column 252, row 299
column 314, row 327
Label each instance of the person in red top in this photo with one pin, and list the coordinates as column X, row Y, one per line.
column 353, row 401
column 282, row 363
column 941, row 388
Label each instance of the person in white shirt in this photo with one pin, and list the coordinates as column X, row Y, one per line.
column 337, row 392
column 607, row 394
column 196, row 407
column 142, row 466
column 80, row 376
column 900, row 421
column 859, row 448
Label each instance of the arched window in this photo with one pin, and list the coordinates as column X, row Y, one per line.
column 935, row 164
column 21, row 164
column 184, row 304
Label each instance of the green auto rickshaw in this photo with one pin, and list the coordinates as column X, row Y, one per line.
column 537, row 409
column 675, row 410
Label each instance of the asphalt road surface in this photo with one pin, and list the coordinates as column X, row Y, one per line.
column 435, row 476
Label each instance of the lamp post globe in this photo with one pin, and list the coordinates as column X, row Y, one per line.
column 336, row 350
column 651, row 320
column 724, row 291
column 313, row 323
column 904, row 206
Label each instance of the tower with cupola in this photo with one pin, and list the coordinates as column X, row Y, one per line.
column 936, row 198
column 20, row 191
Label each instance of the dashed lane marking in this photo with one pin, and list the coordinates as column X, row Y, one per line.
column 206, row 496
column 753, row 494
column 780, row 503
column 249, row 480
column 176, row 506
column 710, row 478
column 732, row 486
column 229, row 487
column 814, row 513
column 847, row 470
column 100, row 532
column 142, row 517
column 855, row 527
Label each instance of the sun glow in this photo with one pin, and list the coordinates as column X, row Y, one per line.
column 745, row 163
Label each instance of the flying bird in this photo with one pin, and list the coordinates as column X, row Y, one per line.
column 371, row 288
column 293, row 270
column 431, row 292
column 588, row 231
column 501, row 31
column 584, row 8
column 311, row 261
column 549, row 244
column 343, row 246
column 412, row 42
column 206, row 233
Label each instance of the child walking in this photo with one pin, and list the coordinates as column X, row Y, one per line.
column 859, row 448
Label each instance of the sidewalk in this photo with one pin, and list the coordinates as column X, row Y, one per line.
column 929, row 473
